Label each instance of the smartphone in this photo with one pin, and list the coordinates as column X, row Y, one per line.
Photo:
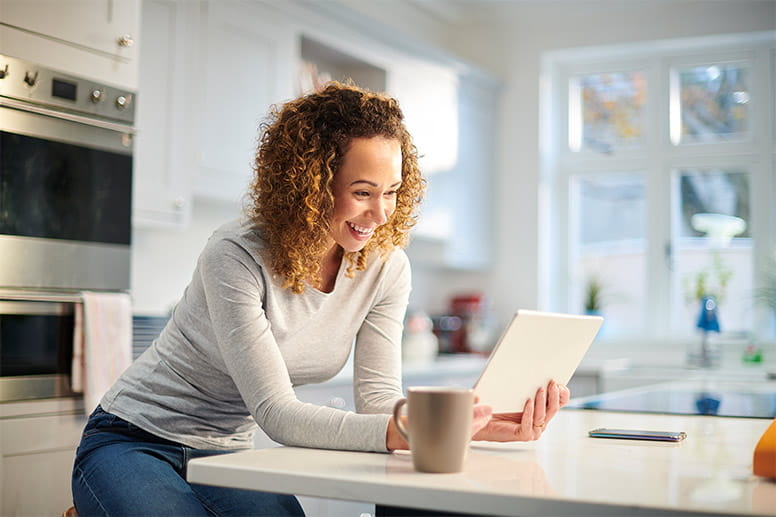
column 638, row 434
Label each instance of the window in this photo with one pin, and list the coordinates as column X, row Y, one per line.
column 661, row 191
column 610, row 238
column 712, row 246
column 710, row 103
column 606, row 111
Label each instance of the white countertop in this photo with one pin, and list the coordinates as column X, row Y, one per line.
column 564, row 473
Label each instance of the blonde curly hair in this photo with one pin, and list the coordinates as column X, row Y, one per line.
column 301, row 148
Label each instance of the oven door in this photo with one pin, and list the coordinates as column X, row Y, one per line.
column 65, row 200
column 36, row 349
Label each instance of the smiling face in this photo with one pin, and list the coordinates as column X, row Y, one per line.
column 365, row 190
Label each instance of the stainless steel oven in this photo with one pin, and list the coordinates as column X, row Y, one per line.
column 65, row 180
column 36, row 345
column 66, row 146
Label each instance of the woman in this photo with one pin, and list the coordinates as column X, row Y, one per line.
column 275, row 301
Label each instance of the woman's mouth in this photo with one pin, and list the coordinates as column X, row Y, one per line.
column 360, row 232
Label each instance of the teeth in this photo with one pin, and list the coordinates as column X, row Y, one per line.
column 363, row 230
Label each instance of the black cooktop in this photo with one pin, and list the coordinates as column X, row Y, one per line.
column 751, row 404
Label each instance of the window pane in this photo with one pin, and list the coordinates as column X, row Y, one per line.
column 609, row 231
column 713, row 248
column 713, row 102
column 607, row 111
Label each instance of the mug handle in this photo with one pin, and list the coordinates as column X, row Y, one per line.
column 397, row 420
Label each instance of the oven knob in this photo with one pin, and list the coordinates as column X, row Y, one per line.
column 30, row 79
column 122, row 101
column 97, row 95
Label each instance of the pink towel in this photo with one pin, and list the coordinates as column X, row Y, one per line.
column 102, row 344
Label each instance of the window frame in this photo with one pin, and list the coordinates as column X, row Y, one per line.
column 658, row 158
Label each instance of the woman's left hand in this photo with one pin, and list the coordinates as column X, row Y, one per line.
column 528, row 425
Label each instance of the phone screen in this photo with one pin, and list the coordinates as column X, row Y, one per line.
column 639, row 434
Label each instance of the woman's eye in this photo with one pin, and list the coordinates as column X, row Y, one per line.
column 391, row 193
column 361, row 193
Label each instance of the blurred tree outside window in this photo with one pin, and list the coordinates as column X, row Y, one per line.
column 714, row 102
column 607, row 111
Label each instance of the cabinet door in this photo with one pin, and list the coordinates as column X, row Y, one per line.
column 37, row 484
column 36, row 456
column 101, row 25
column 427, row 94
column 470, row 191
column 78, row 37
column 166, row 118
column 455, row 228
column 248, row 62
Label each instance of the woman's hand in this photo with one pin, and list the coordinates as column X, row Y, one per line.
column 525, row 426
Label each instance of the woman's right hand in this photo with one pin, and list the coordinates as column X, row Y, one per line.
column 393, row 438
column 482, row 415
column 530, row 423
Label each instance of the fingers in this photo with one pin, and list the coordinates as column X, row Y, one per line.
column 553, row 400
column 540, row 409
column 544, row 407
column 481, row 417
column 565, row 395
column 557, row 397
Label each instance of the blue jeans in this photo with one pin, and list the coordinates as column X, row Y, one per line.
column 122, row 470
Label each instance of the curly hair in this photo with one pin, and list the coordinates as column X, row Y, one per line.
column 301, row 148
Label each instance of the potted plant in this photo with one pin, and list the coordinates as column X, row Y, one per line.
column 593, row 298
column 708, row 290
column 709, row 283
column 766, row 294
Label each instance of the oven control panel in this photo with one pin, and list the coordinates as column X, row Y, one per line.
column 27, row 82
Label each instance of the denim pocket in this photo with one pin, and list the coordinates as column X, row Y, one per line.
column 102, row 421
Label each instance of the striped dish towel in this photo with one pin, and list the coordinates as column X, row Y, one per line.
column 102, row 344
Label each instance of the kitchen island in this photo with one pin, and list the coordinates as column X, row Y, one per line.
column 564, row 473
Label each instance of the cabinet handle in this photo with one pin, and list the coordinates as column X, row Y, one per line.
column 125, row 40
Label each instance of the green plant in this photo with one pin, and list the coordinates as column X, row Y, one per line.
column 766, row 295
column 712, row 281
column 593, row 301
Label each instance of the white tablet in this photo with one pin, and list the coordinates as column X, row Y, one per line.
column 536, row 347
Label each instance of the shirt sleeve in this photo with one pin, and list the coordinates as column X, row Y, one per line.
column 233, row 287
column 377, row 382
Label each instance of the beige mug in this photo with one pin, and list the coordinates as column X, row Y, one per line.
column 439, row 426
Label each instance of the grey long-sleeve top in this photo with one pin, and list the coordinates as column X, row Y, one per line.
column 237, row 343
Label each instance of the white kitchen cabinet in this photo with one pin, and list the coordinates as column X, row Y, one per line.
column 472, row 197
column 455, row 228
column 90, row 38
column 167, row 119
column 248, row 64
column 38, row 440
column 428, row 95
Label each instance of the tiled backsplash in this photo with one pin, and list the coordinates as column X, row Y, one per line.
column 144, row 330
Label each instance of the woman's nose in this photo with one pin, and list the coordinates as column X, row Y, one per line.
column 381, row 211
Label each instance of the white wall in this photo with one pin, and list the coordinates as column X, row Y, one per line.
column 163, row 260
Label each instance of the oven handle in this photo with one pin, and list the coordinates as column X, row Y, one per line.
column 72, row 117
column 39, row 296
column 28, row 308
